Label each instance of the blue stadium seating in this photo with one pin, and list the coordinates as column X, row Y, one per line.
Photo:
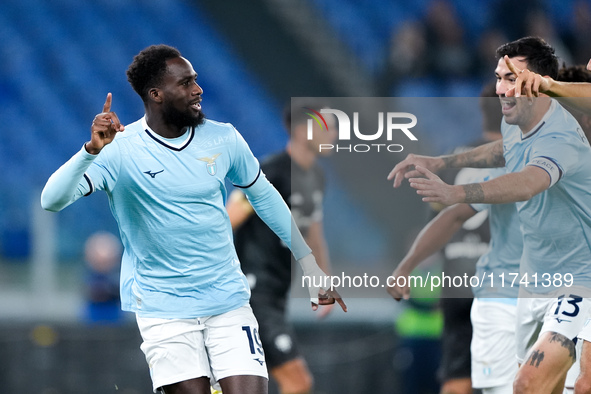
column 366, row 26
column 60, row 59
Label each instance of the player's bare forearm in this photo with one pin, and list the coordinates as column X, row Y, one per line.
column 508, row 188
column 568, row 89
column 431, row 239
column 436, row 234
column 575, row 95
column 474, row 193
column 484, row 156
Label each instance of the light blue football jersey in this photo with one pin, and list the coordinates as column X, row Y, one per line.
column 556, row 223
column 500, row 265
column 168, row 197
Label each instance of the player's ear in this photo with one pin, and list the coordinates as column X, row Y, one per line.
column 155, row 95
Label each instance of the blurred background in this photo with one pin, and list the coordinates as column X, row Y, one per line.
column 60, row 329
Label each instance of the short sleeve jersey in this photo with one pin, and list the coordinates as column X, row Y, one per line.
column 471, row 241
column 265, row 259
column 168, row 198
column 498, row 268
column 556, row 223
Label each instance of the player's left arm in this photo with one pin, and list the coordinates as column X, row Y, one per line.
column 317, row 242
column 272, row 209
column 508, row 188
column 245, row 173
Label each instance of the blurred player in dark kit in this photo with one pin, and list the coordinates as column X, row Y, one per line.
column 266, row 260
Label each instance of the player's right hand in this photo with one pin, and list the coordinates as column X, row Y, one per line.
column 405, row 169
column 328, row 298
column 526, row 82
column 104, row 128
column 434, row 190
column 398, row 292
column 324, row 294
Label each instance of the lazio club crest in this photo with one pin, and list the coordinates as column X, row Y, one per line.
column 211, row 166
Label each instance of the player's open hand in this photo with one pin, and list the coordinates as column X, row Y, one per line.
column 527, row 82
column 407, row 167
column 433, row 189
column 104, row 128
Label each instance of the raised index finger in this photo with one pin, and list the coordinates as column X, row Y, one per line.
column 511, row 66
column 107, row 106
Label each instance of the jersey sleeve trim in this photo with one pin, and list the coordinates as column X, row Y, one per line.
column 90, row 185
column 251, row 183
column 548, row 165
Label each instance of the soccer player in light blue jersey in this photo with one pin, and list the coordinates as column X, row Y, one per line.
column 493, row 311
column 164, row 176
column 573, row 88
column 549, row 160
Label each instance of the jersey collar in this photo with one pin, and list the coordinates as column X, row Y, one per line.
column 541, row 123
column 176, row 144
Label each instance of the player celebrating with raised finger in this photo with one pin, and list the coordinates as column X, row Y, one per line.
column 549, row 162
column 573, row 94
column 180, row 275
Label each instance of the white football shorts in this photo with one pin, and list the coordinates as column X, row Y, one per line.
column 214, row 346
column 493, row 342
column 564, row 313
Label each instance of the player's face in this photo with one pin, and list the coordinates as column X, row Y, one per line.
column 324, row 136
column 181, row 104
column 517, row 111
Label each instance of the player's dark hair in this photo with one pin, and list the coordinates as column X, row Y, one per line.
column 574, row 74
column 296, row 112
column 148, row 68
column 538, row 54
column 492, row 116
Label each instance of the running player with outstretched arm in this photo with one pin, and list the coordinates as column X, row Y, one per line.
column 493, row 311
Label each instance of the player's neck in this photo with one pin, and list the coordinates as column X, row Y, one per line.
column 163, row 129
column 539, row 112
